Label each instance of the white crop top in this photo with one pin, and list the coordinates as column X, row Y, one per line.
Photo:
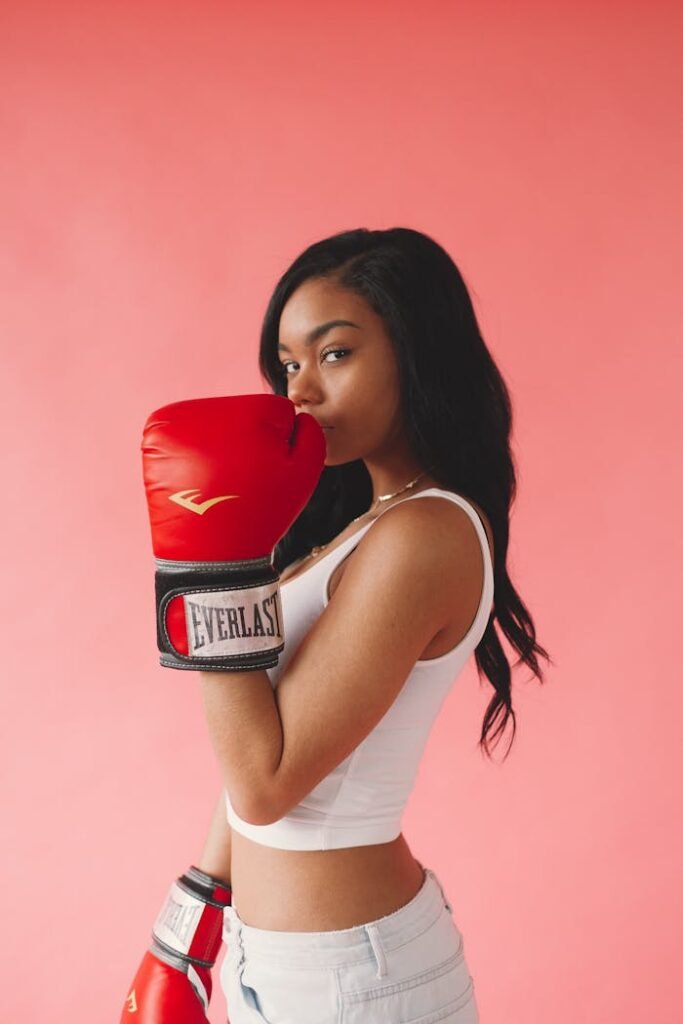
column 361, row 801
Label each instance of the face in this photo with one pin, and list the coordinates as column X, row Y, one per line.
column 347, row 376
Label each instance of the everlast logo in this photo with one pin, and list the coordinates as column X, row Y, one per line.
column 187, row 499
column 212, row 624
column 180, row 919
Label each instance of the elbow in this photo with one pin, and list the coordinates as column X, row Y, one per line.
column 260, row 816
column 255, row 810
column 265, row 811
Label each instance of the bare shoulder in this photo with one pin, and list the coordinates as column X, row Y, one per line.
column 463, row 521
column 430, row 529
column 430, row 542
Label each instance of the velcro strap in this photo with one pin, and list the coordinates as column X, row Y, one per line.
column 225, row 622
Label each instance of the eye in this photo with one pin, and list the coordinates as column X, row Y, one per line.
column 335, row 351
column 285, row 364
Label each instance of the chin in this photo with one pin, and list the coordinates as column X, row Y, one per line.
column 339, row 458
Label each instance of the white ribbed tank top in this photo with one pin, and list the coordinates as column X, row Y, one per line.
column 361, row 801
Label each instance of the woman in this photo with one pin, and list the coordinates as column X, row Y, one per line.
column 388, row 579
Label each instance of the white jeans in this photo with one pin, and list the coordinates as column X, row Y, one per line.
column 406, row 968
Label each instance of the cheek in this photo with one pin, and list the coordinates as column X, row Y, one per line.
column 389, row 405
column 369, row 407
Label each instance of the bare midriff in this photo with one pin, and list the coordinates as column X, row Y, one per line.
column 321, row 890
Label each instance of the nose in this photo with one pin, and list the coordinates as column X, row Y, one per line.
column 304, row 388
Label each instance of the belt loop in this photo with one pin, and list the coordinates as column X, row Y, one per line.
column 443, row 894
column 229, row 922
column 376, row 944
column 232, row 930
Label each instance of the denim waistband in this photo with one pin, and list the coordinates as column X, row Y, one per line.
column 330, row 948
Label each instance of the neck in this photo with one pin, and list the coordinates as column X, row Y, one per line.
column 388, row 480
column 404, row 488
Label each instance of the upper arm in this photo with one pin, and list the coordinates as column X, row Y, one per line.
column 396, row 593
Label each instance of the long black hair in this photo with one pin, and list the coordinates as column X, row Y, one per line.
column 457, row 409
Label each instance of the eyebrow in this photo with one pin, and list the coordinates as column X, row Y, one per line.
column 318, row 332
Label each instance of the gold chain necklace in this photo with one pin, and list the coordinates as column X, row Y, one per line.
column 379, row 498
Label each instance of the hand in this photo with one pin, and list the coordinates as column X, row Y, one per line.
column 173, row 982
column 225, row 479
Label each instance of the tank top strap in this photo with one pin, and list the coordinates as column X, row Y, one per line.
column 458, row 500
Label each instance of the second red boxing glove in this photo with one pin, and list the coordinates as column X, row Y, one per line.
column 173, row 982
column 225, row 478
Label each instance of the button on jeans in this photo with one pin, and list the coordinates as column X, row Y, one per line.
column 406, row 968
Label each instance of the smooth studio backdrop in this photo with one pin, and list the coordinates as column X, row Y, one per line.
column 161, row 164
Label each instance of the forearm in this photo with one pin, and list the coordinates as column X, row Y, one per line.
column 217, row 852
column 246, row 734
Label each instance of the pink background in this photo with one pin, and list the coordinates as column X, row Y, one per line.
column 161, row 164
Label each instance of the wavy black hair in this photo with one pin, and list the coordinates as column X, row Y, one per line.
column 457, row 408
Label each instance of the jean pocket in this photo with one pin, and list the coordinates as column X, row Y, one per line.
column 444, row 992
column 280, row 991
column 240, row 999
column 242, row 1002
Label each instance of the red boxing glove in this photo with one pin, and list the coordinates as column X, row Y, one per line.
column 225, row 479
column 173, row 981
